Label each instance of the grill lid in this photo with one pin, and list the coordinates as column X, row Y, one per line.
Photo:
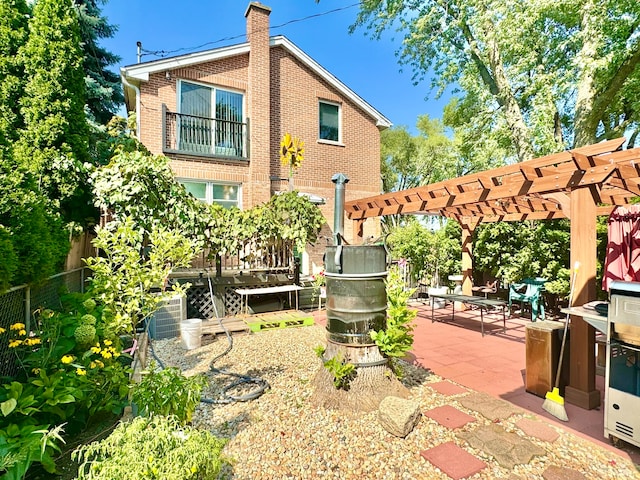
column 619, row 287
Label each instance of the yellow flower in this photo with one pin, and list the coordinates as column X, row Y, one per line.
column 17, row 326
column 36, row 371
column 22, row 332
column 194, row 469
column 15, row 343
column 36, row 341
column 108, row 342
column 81, row 371
column 106, row 354
column 96, row 363
column 291, row 151
column 2, row 330
column 95, row 349
column 67, row 359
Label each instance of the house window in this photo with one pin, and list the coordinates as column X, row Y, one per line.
column 225, row 194
column 329, row 121
column 211, row 120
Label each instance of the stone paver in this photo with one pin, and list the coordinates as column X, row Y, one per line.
column 490, row 407
column 447, row 388
column 537, row 429
column 509, row 449
column 449, row 416
column 454, row 461
column 562, row 473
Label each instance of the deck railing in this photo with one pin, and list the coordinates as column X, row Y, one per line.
column 195, row 135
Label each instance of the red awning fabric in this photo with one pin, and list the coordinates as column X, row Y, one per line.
column 622, row 261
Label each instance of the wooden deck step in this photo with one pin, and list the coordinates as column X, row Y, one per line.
column 232, row 324
column 280, row 319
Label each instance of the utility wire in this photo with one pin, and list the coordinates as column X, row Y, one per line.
column 165, row 53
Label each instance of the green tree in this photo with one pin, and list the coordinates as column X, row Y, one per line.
column 53, row 143
column 570, row 79
column 512, row 251
column 433, row 254
column 13, row 34
column 104, row 91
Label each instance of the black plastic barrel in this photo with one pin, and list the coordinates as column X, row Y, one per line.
column 356, row 292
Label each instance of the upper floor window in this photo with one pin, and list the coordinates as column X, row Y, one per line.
column 329, row 122
column 225, row 194
column 211, row 120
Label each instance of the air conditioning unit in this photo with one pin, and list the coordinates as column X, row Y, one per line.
column 165, row 323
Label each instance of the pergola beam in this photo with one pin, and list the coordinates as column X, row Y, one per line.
column 579, row 184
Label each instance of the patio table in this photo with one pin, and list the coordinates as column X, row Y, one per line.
column 482, row 303
column 245, row 293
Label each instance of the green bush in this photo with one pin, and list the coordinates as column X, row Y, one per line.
column 397, row 338
column 59, row 382
column 152, row 448
column 168, row 392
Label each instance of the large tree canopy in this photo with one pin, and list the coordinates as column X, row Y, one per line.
column 543, row 74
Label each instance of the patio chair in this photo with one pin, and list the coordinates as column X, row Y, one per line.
column 529, row 291
column 490, row 287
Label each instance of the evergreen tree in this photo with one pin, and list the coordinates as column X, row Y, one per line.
column 104, row 91
column 13, row 34
column 54, row 142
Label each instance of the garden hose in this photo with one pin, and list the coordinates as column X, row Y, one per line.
column 261, row 384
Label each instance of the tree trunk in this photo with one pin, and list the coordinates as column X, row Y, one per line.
column 372, row 382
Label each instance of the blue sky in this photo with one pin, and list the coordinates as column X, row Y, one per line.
column 369, row 67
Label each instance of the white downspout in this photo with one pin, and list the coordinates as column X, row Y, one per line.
column 137, row 90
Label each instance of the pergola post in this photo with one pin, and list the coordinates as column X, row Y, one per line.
column 358, row 231
column 581, row 390
column 468, row 225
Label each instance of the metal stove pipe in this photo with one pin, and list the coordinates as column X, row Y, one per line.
column 340, row 180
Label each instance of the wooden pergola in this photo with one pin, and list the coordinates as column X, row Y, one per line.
column 577, row 184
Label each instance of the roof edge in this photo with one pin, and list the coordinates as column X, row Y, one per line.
column 140, row 71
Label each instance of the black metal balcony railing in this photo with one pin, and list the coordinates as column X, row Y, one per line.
column 204, row 136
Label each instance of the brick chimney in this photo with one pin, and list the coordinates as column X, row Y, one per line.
column 259, row 102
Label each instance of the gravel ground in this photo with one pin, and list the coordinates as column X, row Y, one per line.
column 280, row 435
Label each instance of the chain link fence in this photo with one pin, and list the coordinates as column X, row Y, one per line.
column 18, row 304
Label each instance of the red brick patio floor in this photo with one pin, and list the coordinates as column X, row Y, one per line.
column 494, row 364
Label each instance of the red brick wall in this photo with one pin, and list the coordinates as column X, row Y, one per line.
column 291, row 106
column 258, row 102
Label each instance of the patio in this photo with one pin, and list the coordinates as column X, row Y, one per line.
column 494, row 364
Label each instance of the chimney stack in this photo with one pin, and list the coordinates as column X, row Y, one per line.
column 259, row 102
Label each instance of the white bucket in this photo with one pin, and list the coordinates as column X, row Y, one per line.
column 191, row 333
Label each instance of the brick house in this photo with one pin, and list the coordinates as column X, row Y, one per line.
column 220, row 115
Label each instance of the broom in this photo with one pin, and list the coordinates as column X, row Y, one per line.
column 554, row 403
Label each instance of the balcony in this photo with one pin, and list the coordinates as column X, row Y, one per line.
column 207, row 137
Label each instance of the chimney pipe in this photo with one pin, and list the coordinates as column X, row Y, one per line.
column 340, row 180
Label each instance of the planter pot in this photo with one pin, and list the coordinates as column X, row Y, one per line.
column 437, row 302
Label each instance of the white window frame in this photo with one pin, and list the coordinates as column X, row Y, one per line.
column 339, row 106
column 213, row 88
column 209, row 184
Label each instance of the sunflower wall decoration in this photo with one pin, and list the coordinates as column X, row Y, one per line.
column 291, row 154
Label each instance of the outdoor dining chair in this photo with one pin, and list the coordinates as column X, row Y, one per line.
column 529, row 291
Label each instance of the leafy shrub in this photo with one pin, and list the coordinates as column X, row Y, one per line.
column 343, row 372
column 60, row 381
column 168, row 392
column 397, row 338
column 152, row 448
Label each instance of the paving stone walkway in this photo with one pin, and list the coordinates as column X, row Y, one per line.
column 508, row 447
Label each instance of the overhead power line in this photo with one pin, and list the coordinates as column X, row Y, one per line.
column 165, row 53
